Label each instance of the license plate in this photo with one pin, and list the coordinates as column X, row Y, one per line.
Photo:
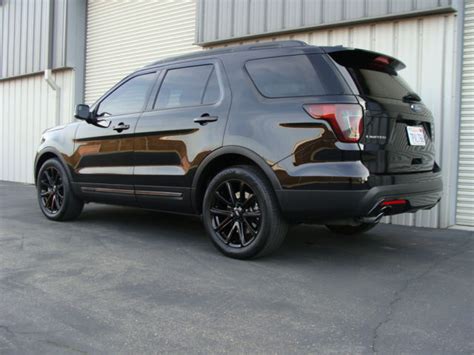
column 416, row 135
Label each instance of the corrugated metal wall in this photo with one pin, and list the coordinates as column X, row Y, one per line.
column 465, row 196
column 23, row 36
column 27, row 103
column 27, row 107
column 427, row 46
column 227, row 19
column 123, row 36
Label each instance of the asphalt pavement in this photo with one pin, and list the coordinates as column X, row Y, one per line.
column 124, row 280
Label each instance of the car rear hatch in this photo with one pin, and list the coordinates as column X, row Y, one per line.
column 398, row 128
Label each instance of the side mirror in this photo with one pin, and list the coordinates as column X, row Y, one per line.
column 83, row 112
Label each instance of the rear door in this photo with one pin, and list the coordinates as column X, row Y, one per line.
column 184, row 122
column 398, row 127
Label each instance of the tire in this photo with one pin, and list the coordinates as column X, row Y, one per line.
column 55, row 196
column 351, row 230
column 247, row 223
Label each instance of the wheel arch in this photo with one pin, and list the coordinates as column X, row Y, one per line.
column 223, row 158
column 46, row 154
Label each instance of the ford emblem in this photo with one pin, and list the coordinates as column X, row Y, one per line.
column 416, row 108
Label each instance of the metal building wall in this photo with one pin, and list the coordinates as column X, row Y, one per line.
column 23, row 36
column 427, row 45
column 27, row 103
column 465, row 195
column 27, row 108
column 123, row 36
column 223, row 20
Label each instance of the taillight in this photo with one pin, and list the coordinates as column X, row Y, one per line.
column 346, row 120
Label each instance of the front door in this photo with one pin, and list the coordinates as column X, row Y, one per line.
column 104, row 156
column 184, row 122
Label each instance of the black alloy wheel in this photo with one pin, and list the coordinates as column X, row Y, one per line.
column 51, row 190
column 56, row 198
column 235, row 211
column 241, row 213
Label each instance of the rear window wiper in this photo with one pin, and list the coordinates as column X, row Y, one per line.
column 411, row 97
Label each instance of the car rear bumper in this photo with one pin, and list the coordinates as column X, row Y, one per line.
column 420, row 192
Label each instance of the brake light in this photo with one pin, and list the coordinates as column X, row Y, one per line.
column 382, row 60
column 346, row 120
column 394, row 202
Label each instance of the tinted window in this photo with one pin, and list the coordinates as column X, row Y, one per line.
column 380, row 84
column 298, row 75
column 373, row 73
column 128, row 97
column 187, row 87
column 212, row 91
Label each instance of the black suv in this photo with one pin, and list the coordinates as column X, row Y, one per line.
column 252, row 138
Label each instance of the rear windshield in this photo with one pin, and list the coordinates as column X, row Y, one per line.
column 373, row 73
column 380, row 84
column 296, row 75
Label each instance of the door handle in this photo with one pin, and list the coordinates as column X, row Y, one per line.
column 121, row 127
column 205, row 118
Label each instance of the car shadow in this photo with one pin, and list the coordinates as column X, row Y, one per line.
column 303, row 243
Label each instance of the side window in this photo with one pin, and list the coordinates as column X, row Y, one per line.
column 127, row 98
column 295, row 75
column 189, row 86
column 212, row 93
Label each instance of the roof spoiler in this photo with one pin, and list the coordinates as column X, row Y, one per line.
column 361, row 58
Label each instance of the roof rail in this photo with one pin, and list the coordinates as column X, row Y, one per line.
column 275, row 44
column 233, row 49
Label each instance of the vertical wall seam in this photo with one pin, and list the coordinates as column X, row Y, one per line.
column 283, row 14
column 302, row 21
column 443, row 82
column 33, row 24
column 3, row 31
column 457, row 101
column 418, row 217
column 396, row 30
column 231, row 20
column 419, row 26
column 63, row 50
column 17, row 45
column 322, row 15
column 12, row 39
column 217, row 21
column 40, row 46
column 249, row 4
column 26, row 38
column 372, row 37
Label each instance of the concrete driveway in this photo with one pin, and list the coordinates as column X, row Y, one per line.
column 121, row 280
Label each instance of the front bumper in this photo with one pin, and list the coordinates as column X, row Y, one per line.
column 421, row 191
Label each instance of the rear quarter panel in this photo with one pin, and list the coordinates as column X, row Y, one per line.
column 284, row 135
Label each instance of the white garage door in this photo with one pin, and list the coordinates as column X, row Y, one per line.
column 426, row 46
column 465, row 197
column 125, row 35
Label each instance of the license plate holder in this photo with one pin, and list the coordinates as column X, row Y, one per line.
column 416, row 135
